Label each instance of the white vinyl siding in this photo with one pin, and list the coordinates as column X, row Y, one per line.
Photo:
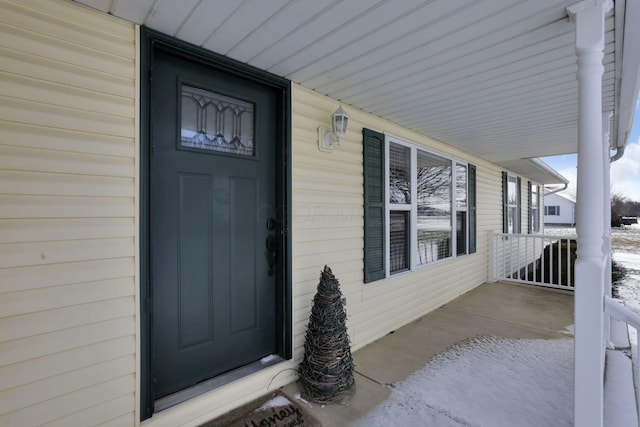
column 67, row 224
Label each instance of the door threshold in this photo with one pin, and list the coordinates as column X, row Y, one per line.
column 214, row 383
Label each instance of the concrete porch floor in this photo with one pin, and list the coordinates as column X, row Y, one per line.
column 500, row 309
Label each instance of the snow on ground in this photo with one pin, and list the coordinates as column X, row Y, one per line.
column 625, row 242
column 492, row 381
column 486, row 381
column 629, row 289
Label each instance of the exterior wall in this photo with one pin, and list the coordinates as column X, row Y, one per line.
column 328, row 227
column 67, row 225
column 567, row 210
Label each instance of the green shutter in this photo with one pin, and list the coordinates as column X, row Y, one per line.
column 505, row 203
column 529, row 210
column 374, row 194
column 471, row 189
column 518, row 227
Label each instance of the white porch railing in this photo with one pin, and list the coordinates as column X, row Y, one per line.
column 535, row 259
column 615, row 309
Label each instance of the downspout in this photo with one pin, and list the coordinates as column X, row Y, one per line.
column 618, row 155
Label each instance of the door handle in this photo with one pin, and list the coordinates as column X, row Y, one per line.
column 272, row 246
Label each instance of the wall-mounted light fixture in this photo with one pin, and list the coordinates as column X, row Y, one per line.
column 339, row 122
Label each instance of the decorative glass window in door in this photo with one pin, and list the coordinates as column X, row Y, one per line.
column 215, row 122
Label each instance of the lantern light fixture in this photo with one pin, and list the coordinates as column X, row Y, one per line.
column 339, row 123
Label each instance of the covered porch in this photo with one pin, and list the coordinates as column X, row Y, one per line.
column 480, row 89
column 523, row 313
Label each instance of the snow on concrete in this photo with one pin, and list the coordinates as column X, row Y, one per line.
column 495, row 382
column 276, row 402
column 486, row 381
column 619, row 404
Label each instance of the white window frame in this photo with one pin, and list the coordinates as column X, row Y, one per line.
column 412, row 208
column 538, row 187
column 517, row 220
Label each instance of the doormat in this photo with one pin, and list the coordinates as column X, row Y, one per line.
column 273, row 410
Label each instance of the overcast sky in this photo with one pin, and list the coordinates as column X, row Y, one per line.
column 625, row 173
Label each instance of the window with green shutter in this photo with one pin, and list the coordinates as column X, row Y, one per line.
column 511, row 203
column 419, row 206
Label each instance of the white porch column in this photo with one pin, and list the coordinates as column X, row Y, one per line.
column 590, row 266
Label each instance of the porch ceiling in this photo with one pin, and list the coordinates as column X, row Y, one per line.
column 496, row 78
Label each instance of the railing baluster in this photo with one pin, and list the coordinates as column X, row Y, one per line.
column 568, row 263
column 551, row 272
column 636, row 368
column 559, row 256
column 518, row 258
column 526, row 260
column 545, row 256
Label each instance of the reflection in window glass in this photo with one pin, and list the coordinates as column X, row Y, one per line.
column 461, row 233
column 513, row 221
column 399, row 241
column 399, row 174
column 434, row 207
column 512, row 190
column 534, row 209
column 461, row 186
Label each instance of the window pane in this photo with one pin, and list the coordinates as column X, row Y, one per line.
column 535, row 208
column 461, row 233
column 399, row 241
column 434, row 207
column 215, row 122
column 513, row 198
column 433, row 245
column 461, row 186
column 512, row 217
column 399, row 174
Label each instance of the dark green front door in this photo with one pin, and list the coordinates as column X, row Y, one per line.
column 212, row 241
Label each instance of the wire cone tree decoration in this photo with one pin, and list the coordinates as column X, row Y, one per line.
column 326, row 371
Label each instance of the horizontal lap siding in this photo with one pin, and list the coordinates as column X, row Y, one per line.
column 67, row 223
column 328, row 227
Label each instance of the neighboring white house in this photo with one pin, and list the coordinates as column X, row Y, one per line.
column 167, row 203
column 559, row 209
